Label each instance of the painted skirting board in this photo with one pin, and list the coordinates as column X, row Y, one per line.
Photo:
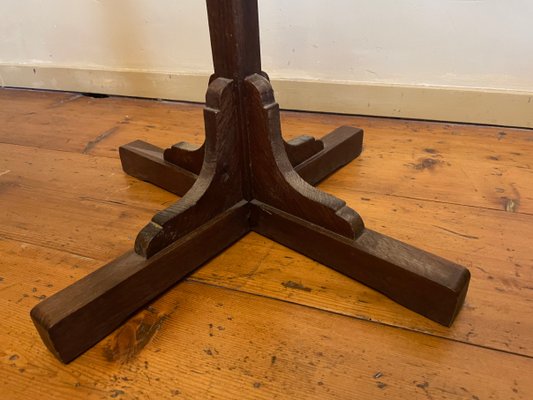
column 495, row 107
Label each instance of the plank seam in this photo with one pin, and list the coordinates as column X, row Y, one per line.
column 192, row 279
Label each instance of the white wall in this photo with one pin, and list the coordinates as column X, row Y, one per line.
column 480, row 44
column 450, row 60
column 487, row 44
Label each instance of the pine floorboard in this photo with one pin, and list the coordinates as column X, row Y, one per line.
column 261, row 321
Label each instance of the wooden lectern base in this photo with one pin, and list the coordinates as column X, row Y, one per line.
column 244, row 178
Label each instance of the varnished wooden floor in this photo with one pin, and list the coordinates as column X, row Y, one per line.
column 261, row 321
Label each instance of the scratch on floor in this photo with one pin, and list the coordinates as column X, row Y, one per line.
column 427, row 164
column 510, row 205
column 7, row 171
column 456, row 233
column 98, row 139
column 128, row 341
column 296, row 285
column 64, row 101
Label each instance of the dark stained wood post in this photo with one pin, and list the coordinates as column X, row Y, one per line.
column 234, row 32
column 244, row 178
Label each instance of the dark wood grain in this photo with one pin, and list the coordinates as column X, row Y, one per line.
column 250, row 178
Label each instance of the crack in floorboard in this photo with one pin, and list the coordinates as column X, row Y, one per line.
column 91, row 144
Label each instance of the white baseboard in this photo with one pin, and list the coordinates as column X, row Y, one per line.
column 508, row 108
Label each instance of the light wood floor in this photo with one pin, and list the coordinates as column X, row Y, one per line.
column 261, row 321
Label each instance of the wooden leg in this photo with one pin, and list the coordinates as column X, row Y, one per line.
column 191, row 157
column 301, row 148
column 186, row 156
column 145, row 162
column 422, row 282
column 150, row 163
column 341, row 146
column 76, row 318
